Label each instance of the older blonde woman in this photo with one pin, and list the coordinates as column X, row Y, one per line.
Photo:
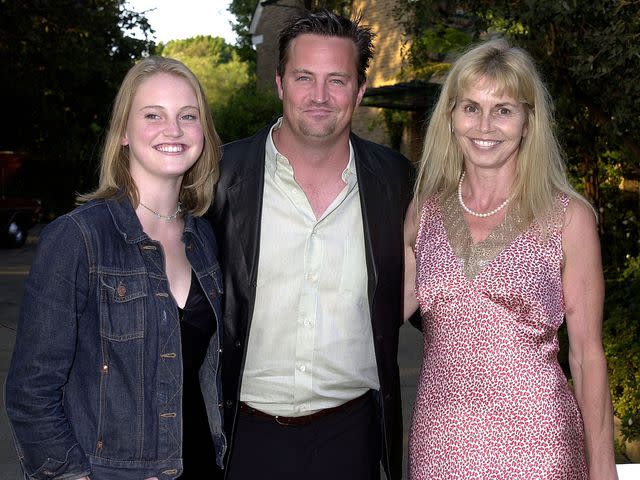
column 501, row 252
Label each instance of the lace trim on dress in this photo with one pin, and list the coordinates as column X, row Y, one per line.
column 474, row 257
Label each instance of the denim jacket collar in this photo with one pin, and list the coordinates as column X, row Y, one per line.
column 127, row 223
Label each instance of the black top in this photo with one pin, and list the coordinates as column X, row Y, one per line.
column 197, row 326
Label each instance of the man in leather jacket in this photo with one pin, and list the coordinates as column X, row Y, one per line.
column 309, row 222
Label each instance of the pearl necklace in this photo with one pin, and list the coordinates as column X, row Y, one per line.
column 477, row 214
column 173, row 216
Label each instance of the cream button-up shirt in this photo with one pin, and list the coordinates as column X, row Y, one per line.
column 311, row 344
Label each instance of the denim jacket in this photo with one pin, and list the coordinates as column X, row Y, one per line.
column 95, row 382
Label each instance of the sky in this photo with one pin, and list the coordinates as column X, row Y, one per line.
column 174, row 20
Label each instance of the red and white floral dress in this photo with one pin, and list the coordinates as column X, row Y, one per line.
column 492, row 401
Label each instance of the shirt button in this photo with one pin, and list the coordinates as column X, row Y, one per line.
column 303, row 368
column 307, row 323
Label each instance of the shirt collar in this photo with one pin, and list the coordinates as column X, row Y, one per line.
column 274, row 160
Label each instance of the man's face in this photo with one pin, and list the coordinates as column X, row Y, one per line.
column 319, row 89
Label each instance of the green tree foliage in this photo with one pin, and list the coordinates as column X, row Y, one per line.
column 243, row 11
column 622, row 346
column 214, row 48
column 247, row 111
column 216, row 63
column 62, row 63
column 434, row 30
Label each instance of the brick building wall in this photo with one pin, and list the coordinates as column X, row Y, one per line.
column 384, row 67
column 265, row 28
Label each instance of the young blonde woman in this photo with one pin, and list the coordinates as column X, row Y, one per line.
column 501, row 252
column 115, row 368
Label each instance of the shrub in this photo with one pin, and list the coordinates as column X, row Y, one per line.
column 245, row 112
column 621, row 336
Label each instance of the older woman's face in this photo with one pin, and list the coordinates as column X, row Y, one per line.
column 488, row 126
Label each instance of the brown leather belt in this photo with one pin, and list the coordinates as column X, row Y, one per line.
column 305, row 419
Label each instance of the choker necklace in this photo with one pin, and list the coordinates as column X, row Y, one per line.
column 477, row 214
column 173, row 216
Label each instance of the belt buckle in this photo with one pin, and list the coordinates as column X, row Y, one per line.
column 280, row 422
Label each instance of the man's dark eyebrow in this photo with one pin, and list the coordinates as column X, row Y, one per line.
column 331, row 74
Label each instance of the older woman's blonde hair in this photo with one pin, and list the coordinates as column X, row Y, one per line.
column 540, row 168
column 196, row 192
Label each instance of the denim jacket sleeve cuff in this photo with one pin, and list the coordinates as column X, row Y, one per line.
column 73, row 465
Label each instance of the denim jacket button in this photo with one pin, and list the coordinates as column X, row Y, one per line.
column 129, row 320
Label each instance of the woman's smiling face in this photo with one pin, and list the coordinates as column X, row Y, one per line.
column 164, row 132
column 489, row 127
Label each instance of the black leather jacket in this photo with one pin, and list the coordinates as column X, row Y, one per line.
column 385, row 190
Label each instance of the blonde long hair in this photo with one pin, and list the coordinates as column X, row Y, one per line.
column 196, row 192
column 540, row 169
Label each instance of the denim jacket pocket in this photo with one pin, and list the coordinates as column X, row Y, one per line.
column 74, row 464
column 122, row 305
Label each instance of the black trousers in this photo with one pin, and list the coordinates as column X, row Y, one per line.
column 345, row 445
